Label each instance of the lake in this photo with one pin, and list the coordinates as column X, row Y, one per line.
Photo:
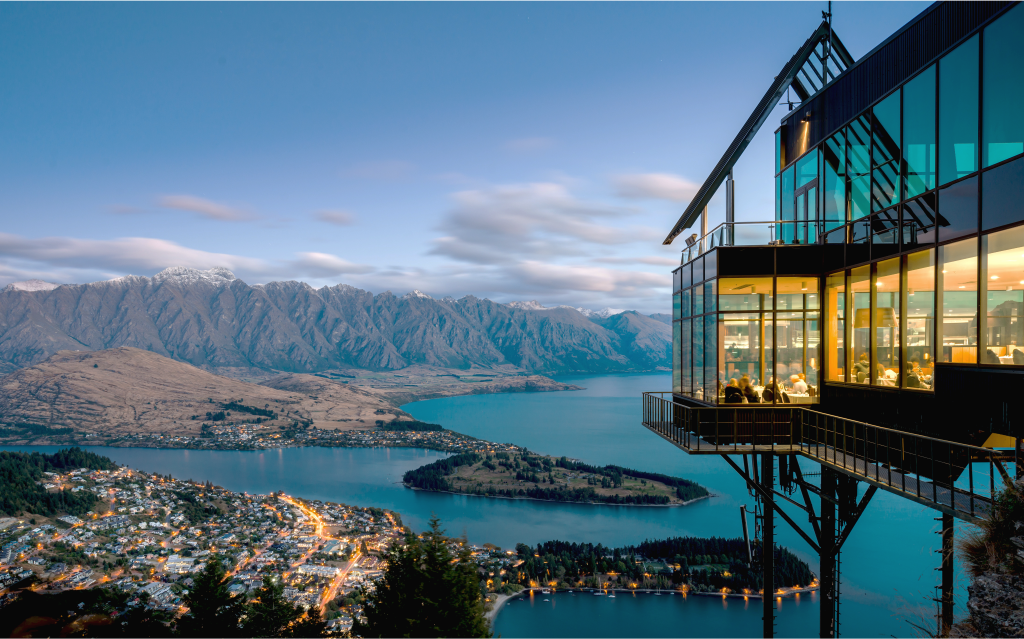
column 888, row 561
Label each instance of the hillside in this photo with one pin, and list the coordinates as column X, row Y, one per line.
column 219, row 323
column 120, row 391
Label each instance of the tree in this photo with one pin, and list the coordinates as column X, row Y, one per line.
column 270, row 615
column 426, row 591
column 213, row 611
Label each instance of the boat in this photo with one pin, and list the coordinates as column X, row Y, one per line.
column 598, row 592
column 545, row 592
column 611, row 596
column 547, row 600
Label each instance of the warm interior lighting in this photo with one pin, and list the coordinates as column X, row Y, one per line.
column 803, row 286
column 995, row 277
column 963, row 287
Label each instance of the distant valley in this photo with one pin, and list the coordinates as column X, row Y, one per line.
column 213, row 321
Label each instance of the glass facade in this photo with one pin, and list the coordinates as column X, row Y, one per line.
column 958, row 112
column 1002, row 131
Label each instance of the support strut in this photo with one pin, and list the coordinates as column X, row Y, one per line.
column 827, row 579
column 946, row 598
column 768, row 543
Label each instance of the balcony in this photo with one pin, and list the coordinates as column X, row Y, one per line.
column 772, row 233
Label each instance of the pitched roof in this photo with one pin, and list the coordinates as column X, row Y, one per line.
column 807, row 73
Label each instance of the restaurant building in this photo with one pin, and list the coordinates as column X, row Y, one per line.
column 873, row 324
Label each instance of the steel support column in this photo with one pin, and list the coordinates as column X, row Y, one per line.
column 827, row 559
column 946, row 598
column 768, row 544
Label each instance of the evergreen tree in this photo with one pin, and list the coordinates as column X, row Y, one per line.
column 426, row 591
column 270, row 615
column 213, row 612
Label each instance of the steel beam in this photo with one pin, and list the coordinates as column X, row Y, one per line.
column 946, row 613
column 768, row 543
column 827, row 579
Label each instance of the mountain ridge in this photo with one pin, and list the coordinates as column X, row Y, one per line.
column 215, row 321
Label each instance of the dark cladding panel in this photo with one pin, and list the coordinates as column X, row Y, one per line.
column 746, row 260
column 798, row 260
column 998, row 411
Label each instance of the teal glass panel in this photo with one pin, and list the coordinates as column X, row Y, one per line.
column 885, row 189
column 677, row 306
column 778, row 197
column 778, row 151
column 698, row 357
column 711, row 358
column 919, row 134
column 686, row 351
column 834, row 161
column 885, row 132
column 677, row 361
column 1002, row 121
column 788, row 207
column 860, row 197
column 685, row 304
column 958, row 112
column 698, row 299
column 858, row 146
column 807, row 169
column 709, row 296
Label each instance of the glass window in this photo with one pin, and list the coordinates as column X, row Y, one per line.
column 807, row 169
column 858, row 167
column 838, row 236
column 744, row 293
column 677, row 306
column 795, row 293
column 885, row 186
column 885, row 239
column 787, row 211
column 834, row 156
column 710, row 264
column 1002, row 131
column 886, row 344
column 919, row 338
column 675, row 280
column 1004, row 297
column 778, row 150
column 919, row 133
column 677, row 371
column 1002, row 195
column 835, row 330
column 687, row 356
column 958, row 281
column 958, row 209
column 778, row 197
column 698, row 357
column 712, row 389
column 919, row 221
column 686, row 304
column 859, row 301
column 768, row 362
column 740, row 352
column 698, row 270
column 958, row 112
column 686, row 281
column 709, row 296
column 698, row 300
column 885, row 152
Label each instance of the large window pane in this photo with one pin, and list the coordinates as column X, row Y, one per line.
column 1004, row 297
column 795, row 293
column 885, row 239
column 919, row 341
column 919, row 221
column 886, row 344
column 1002, row 131
column 677, row 306
column 858, row 168
column 698, row 299
column 807, row 169
column 958, row 112
column 885, row 134
column 834, row 155
column 885, row 186
column 778, row 150
column 835, row 329
column 698, row 357
column 787, row 211
column 741, row 347
column 859, row 301
column 677, row 371
column 709, row 296
column 687, row 356
column 744, row 293
column 958, row 281
column 958, row 209
column 712, row 389
column 1002, row 195
column 686, row 305
column 919, row 133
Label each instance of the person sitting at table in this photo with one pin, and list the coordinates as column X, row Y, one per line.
column 1018, row 357
column 772, row 393
column 748, row 391
column 862, row 368
column 913, row 381
column 886, row 377
column 799, row 386
column 733, row 394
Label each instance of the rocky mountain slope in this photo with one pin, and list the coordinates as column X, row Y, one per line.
column 214, row 321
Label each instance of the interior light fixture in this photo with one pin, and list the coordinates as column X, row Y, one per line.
column 943, row 270
column 803, row 286
column 963, row 287
column 995, row 277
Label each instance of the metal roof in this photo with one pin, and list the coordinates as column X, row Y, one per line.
column 805, row 78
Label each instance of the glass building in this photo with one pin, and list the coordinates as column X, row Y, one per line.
column 892, row 275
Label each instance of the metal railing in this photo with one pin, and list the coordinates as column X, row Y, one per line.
column 753, row 234
column 954, row 477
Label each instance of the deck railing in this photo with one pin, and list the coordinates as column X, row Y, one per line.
column 957, row 477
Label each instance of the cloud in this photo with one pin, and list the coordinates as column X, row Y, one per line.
column 338, row 218
column 653, row 261
column 529, row 145
column 656, row 186
column 386, row 171
column 203, row 207
column 560, row 277
column 326, row 265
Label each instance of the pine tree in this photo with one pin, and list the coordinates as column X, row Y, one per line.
column 271, row 614
column 426, row 591
column 213, row 611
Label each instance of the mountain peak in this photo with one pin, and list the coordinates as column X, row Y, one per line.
column 32, row 285
column 604, row 313
column 183, row 275
column 532, row 305
column 419, row 294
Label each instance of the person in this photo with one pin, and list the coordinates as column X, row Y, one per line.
column 733, row 394
column 1018, row 357
column 885, row 377
column 913, row 381
column 772, row 393
column 799, row 385
column 862, row 368
column 748, row 391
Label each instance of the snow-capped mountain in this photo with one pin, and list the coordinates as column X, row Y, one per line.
column 604, row 313
column 31, row 285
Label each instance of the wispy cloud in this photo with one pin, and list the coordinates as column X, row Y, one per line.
column 528, row 145
column 657, row 186
column 205, row 208
column 322, row 265
column 388, row 171
column 338, row 218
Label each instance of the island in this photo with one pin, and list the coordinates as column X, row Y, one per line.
column 520, row 474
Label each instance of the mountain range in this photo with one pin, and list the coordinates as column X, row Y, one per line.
column 215, row 321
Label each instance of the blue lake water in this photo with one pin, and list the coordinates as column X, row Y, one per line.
column 888, row 574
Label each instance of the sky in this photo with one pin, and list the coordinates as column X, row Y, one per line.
column 513, row 151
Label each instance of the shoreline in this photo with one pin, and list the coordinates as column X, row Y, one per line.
column 555, row 501
column 496, row 607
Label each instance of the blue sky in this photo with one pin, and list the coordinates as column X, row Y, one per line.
column 505, row 150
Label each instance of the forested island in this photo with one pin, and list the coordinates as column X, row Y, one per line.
column 694, row 564
column 22, row 488
column 524, row 475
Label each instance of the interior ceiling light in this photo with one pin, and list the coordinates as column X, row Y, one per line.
column 963, row 287
column 995, row 277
